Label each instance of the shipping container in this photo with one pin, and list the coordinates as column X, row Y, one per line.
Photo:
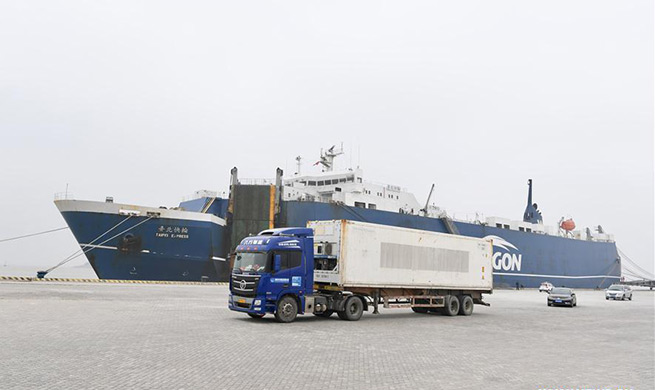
column 380, row 256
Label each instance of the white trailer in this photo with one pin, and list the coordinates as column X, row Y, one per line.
column 401, row 267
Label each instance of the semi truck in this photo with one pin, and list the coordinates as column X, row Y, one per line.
column 348, row 267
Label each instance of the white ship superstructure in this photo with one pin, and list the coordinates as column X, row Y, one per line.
column 349, row 188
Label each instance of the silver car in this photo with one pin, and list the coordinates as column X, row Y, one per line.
column 616, row 291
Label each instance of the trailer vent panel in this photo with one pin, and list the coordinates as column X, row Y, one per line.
column 413, row 257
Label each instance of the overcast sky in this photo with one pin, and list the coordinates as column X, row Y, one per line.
column 148, row 101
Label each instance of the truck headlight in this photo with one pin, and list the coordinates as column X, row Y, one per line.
column 257, row 302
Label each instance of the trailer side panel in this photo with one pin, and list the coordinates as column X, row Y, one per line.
column 371, row 255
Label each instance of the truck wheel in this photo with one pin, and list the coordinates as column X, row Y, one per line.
column 465, row 305
column 452, row 305
column 421, row 310
column 352, row 310
column 287, row 309
column 255, row 315
column 324, row 314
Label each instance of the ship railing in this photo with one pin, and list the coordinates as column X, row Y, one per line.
column 463, row 216
column 203, row 194
column 256, row 181
column 64, row 196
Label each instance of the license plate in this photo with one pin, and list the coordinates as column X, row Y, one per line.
column 558, row 300
column 241, row 301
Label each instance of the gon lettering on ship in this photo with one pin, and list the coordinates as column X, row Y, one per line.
column 506, row 256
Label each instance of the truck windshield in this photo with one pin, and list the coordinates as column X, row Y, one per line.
column 250, row 261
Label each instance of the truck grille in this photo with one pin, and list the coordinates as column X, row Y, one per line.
column 244, row 285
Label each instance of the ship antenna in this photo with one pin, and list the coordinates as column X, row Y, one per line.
column 351, row 157
column 359, row 155
column 327, row 158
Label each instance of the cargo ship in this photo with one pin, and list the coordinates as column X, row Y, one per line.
column 194, row 241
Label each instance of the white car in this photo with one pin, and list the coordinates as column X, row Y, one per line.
column 545, row 286
column 616, row 291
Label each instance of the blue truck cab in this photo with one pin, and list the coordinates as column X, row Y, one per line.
column 273, row 273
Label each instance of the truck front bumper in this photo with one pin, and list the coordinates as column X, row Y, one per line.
column 255, row 305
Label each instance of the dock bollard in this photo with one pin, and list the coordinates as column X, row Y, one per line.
column 204, row 279
column 41, row 274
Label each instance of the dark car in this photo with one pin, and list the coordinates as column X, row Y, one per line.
column 562, row 296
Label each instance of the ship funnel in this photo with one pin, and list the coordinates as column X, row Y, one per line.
column 531, row 214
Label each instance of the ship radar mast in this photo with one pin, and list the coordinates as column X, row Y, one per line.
column 327, row 158
column 531, row 214
column 298, row 163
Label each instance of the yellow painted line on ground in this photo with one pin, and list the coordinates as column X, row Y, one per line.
column 35, row 279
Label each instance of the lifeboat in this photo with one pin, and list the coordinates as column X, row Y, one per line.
column 567, row 225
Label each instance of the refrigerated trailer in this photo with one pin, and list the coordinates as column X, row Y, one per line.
column 347, row 267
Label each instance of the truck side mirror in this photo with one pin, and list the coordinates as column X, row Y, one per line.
column 277, row 263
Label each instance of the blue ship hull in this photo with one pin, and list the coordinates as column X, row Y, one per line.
column 152, row 253
column 535, row 258
column 157, row 249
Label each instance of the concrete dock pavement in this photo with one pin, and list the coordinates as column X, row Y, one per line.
column 115, row 336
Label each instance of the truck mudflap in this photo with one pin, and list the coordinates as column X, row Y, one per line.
column 479, row 301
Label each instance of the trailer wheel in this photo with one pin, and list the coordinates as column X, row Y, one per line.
column 324, row 314
column 452, row 305
column 465, row 305
column 352, row 310
column 287, row 309
column 256, row 315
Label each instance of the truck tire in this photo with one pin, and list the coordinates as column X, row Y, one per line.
column 324, row 314
column 352, row 310
column 465, row 305
column 255, row 315
column 287, row 309
column 452, row 305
